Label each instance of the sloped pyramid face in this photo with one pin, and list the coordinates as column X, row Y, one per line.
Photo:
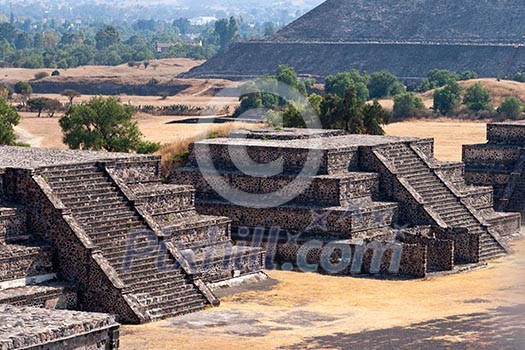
column 448, row 21
column 405, row 37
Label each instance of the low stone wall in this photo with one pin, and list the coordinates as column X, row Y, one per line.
column 491, row 156
column 466, row 244
column 144, row 170
column 42, row 329
column 343, row 222
column 329, row 190
column 309, row 252
column 19, row 262
column 13, row 225
column 49, row 296
column 440, row 252
column 506, row 133
column 293, row 159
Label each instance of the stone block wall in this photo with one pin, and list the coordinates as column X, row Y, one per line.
column 21, row 262
column 42, row 329
column 13, row 225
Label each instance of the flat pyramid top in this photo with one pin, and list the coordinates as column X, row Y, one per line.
column 418, row 21
column 32, row 158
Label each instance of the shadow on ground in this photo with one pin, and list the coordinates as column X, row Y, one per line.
column 502, row 328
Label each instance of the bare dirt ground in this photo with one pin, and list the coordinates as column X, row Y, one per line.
column 483, row 309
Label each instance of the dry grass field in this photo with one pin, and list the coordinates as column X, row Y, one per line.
column 166, row 68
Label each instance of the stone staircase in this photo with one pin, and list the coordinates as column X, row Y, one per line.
column 141, row 260
column 203, row 240
column 437, row 194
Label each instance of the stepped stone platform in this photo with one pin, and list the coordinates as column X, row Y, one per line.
column 500, row 163
column 39, row 329
column 346, row 204
column 99, row 232
column 375, row 35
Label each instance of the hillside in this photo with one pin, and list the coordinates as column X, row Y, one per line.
column 122, row 79
column 498, row 89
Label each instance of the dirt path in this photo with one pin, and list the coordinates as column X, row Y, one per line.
column 25, row 136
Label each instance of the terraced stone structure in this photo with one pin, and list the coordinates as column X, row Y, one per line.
column 406, row 37
column 370, row 202
column 99, row 232
column 500, row 163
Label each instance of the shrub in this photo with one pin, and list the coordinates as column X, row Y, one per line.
column 448, row 98
column 384, row 84
column 477, row 98
column 511, row 108
column 9, row 118
column 41, row 75
column 408, row 105
column 55, row 73
column 148, row 147
column 338, row 84
column 519, row 77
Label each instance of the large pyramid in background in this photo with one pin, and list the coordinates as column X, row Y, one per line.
column 406, row 37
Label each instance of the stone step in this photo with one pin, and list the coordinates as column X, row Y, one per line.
column 178, row 310
column 132, row 262
column 92, row 190
column 181, row 288
column 198, row 228
column 102, row 226
column 147, row 268
column 65, row 178
column 87, row 202
column 70, row 168
column 106, row 215
column 104, row 209
column 116, row 251
column 119, row 230
column 135, row 278
column 171, row 281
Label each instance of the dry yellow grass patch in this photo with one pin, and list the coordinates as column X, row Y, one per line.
column 449, row 134
column 174, row 154
column 498, row 89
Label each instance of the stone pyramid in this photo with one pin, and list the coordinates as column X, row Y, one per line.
column 405, row 37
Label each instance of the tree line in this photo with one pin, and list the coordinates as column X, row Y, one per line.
column 31, row 44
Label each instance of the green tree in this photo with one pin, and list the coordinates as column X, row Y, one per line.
column 477, row 98
column 447, row 98
column 24, row 89
column 106, row 37
column 468, row 75
column 407, row 105
column 384, row 84
column 339, row 83
column 101, row 124
column 437, row 78
column 9, row 118
column 511, row 108
column 226, row 31
column 288, row 76
column 374, row 116
column 71, row 95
